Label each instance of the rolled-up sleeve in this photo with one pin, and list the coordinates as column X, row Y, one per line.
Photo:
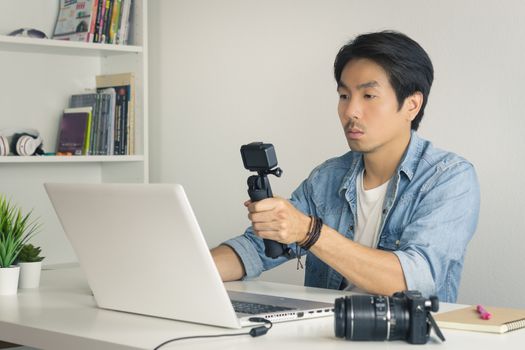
column 245, row 247
column 432, row 247
column 417, row 272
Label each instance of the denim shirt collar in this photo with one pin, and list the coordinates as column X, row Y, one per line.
column 408, row 164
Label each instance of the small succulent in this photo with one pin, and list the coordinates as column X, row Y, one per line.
column 30, row 253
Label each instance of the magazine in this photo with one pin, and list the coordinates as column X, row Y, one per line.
column 75, row 20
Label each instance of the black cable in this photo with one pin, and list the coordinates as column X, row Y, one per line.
column 254, row 332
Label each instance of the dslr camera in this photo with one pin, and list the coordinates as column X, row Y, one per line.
column 403, row 316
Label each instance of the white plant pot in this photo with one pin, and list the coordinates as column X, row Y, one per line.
column 29, row 274
column 9, row 280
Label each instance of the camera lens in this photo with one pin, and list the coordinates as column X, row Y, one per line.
column 340, row 317
column 371, row 317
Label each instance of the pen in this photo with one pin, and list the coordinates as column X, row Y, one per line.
column 484, row 314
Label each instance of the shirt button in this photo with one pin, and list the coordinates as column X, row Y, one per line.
column 384, row 211
column 398, row 242
column 351, row 228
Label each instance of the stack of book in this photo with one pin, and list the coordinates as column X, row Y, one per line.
column 97, row 21
column 108, row 124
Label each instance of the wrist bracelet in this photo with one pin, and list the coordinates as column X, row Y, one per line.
column 310, row 229
column 310, row 239
column 313, row 235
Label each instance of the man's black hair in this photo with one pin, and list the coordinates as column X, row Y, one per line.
column 407, row 65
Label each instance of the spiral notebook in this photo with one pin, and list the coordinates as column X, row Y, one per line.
column 503, row 319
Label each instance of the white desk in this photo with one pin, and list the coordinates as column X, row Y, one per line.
column 61, row 314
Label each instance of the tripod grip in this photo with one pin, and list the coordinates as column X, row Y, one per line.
column 259, row 189
column 273, row 249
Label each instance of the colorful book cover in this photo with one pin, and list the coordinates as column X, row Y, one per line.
column 74, row 20
column 122, row 102
column 98, row 21
column 91, row 34
column 102, row 20
column 107, row 21
column 115, row 16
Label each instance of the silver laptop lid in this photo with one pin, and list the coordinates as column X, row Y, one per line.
column 142, row 250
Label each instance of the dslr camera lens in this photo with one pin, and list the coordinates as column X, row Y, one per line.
column 403, row 316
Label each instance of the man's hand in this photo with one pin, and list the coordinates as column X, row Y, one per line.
column 277, row 219
column 373, row 270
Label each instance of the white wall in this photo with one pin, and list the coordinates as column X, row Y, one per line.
column 228, row 72
column 38, row 14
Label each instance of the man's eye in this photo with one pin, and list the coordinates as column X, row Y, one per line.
column 369, row 97
column 343, row 97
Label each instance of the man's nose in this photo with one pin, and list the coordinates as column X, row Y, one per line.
column 352, row 109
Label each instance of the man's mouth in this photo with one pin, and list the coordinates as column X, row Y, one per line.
column 354, row 133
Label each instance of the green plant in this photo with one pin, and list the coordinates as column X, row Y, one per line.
column 15, row 230
column 30, row 253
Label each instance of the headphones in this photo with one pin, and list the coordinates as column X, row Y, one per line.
column 21, row 142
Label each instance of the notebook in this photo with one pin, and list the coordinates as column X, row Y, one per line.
column 142, row 251
column 502, row 320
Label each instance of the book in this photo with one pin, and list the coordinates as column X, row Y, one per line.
column 98, row 20
column 503, row 319
column 123, row 29
column 124, row 127
column 74, row 131
column 99, row 140
column 74, row 20
column 89, row 99
column 115, row 18
column 123, row 122
column 106, row 21
column 108, row 121
column 91, row 34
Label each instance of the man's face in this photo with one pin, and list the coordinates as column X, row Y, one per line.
column 368, row 107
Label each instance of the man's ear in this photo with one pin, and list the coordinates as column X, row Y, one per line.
column 413, row 104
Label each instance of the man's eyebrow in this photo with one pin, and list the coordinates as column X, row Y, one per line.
column 370, row 84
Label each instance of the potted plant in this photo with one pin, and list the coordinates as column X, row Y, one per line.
column 30, row 263
column 15, row 230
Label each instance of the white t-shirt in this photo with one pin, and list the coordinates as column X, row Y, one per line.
column 369, row 209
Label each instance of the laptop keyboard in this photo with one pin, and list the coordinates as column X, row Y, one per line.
column 255, row 308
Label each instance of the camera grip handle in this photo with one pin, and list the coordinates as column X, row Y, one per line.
column 259, row 189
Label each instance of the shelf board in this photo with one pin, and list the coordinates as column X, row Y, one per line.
column 71, row 159
column 63, row 47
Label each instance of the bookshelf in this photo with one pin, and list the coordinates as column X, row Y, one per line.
column 38, row 77
column 75, row 159
column 31, row 45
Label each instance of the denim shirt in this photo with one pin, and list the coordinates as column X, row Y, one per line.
column 430, row 213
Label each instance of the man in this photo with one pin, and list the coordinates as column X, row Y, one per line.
column 394, row 213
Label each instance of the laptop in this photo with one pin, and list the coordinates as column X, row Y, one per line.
column 143, row 252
